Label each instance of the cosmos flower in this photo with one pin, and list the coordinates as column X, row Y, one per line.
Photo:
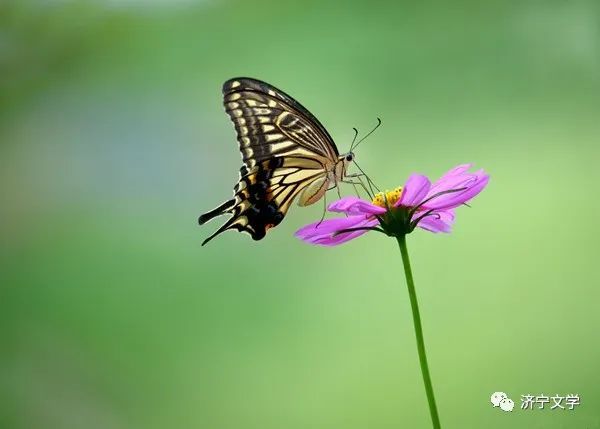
column 418, row 203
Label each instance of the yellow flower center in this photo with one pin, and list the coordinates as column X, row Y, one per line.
column 387, row 199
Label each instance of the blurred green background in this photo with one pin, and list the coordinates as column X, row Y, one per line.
column 113, row 141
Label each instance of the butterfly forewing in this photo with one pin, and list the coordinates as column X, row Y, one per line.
column 271, row 103
column 284, row 149
column 268, row 126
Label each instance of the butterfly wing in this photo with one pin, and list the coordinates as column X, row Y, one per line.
column 261, row 112
column 284, row 149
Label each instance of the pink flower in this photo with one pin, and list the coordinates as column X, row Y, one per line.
column 417, row 203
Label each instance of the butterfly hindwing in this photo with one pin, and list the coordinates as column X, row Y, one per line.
column 263, row 196
column 251, row 209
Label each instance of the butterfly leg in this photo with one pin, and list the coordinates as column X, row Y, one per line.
column 324, row 209
column 339, row 193
column 350, row 182
column 356, row 189
column 369, row 181
column 361, row 183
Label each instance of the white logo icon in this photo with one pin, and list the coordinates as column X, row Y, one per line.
column 501, row 399
column 507, row 404
column 497, row 397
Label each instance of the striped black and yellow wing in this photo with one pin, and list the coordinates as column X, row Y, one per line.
column 284, row 149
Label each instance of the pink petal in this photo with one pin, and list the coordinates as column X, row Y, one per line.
column 342, row 238
column 458, row 170
column 414, row 191
column 355, row 206
column 438, row 221
column 322, row 233
column 473, row 184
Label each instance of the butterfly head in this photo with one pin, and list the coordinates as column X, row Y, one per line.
column 345, row 160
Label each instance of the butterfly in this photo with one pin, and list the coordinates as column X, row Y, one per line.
column 286, row 154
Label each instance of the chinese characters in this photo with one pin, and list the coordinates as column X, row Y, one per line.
column 540, row 402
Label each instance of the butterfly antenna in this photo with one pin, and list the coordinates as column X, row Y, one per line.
column 354, row 139
column 366, row 135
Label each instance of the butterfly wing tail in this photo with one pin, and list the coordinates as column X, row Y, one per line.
column 235, row 222
column 240, row 222
column 223, row 228
column 222, row 209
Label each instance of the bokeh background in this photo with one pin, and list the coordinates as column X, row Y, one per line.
column 113, row 141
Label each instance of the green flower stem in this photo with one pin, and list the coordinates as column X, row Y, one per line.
column 418, row 332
